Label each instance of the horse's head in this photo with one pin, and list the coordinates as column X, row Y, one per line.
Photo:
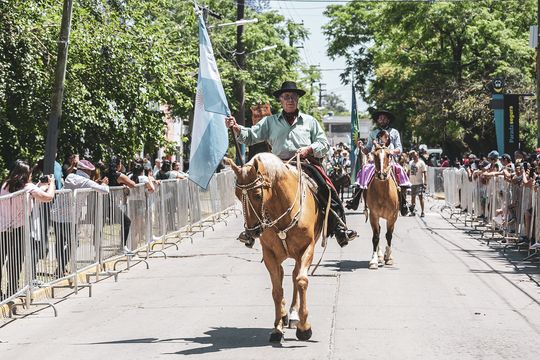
column 251, row 185
column 256, row 188
column 382, row 157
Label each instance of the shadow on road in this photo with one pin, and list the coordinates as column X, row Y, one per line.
column 345, row 265
column 221, row 338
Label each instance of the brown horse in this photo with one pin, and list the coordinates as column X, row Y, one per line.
column 279, row 208
column 382, row 200
column 340, row 179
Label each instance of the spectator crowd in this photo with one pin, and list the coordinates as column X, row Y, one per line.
column 75, row 173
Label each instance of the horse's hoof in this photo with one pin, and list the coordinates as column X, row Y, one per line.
column 276, row 337
column 373, row 266
column 285, row 320
column 389, row 262
column 303, row 335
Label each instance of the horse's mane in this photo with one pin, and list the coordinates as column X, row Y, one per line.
column 274, row 167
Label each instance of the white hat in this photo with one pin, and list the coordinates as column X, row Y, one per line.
column 85, row 165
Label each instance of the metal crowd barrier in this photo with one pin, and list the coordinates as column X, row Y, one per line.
column 435, row 182
column 14, row 247
column 506, row 210
column 50, row 245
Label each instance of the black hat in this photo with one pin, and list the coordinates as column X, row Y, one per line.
column 289, row 86
column 375, row 114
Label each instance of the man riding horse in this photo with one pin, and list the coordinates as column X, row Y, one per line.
column 292, row 132
column 365, row 175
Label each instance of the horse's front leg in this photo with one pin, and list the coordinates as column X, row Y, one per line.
column 388, row 259
column 293, row 311
column 303, row 329
column 276, row 275
column 376, row 229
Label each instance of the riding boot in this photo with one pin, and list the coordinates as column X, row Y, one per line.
column 338, row 224
column 246, row 239
column 403, row 201
column 353, row 203
column 344, row 235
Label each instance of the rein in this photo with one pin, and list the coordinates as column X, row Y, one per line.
column 264, row 220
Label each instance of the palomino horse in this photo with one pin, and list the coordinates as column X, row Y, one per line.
column 340, row 179
column 382, row 200
column 279, row 208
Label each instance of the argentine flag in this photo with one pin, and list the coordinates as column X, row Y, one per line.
column 209, row 140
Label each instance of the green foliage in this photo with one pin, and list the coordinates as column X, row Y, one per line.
column 429, row 63
column 333, row 102
column 125, row 59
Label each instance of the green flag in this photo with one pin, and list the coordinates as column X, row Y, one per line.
column 355, row 163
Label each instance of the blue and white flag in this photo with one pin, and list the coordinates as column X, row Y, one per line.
column 209, row 140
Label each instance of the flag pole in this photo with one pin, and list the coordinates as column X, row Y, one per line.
column 237, row 146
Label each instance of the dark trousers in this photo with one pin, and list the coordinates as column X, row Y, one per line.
column 12, row 256
column 126, row 224
column 322, row 196
column 116, row 215
column 62, row 231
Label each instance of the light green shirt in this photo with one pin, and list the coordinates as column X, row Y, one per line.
column 285, row 139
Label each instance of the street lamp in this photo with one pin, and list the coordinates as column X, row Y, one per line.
column 266, row 48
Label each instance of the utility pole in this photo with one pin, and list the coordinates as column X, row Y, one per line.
column 538, row 75
column 58, row 94
column 290, row 26
column 239, row 84
column 321, row 92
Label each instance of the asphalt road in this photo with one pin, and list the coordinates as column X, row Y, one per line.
column 448, row 296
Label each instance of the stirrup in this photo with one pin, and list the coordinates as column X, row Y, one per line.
column 247, row 240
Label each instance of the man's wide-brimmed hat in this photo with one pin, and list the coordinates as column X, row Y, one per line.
column 375, row 114
column 289, row 86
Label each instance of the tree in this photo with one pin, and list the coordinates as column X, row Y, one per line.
column 333, row 102
column 125, row 60
column 429, row 63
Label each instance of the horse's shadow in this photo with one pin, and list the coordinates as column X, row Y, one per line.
column 346, row 265
column 219, row 338
column 224, row 338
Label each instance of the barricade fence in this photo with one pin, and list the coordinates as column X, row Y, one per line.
column 42, row 244
column 506, row 209
column 435, row 182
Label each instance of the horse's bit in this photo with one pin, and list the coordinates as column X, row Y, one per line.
column 264, row 221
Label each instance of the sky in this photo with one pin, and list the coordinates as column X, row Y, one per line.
column 314, row 51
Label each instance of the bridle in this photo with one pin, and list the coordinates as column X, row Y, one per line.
column 382, row 173
column 264, row 221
